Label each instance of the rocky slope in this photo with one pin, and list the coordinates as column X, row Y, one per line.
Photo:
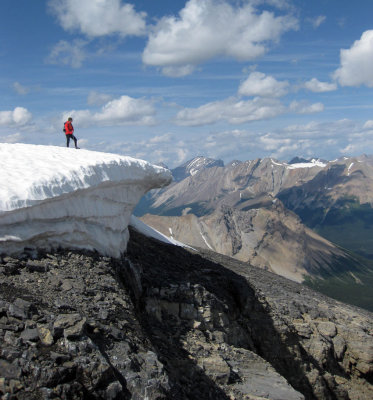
column 338, row 203
column 164, row 322
column 238, row 183
column 192, row 167
column 271, row 238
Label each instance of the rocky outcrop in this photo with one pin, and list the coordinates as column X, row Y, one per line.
column 164, row 322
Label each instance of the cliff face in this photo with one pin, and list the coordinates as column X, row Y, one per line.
column 163, row 322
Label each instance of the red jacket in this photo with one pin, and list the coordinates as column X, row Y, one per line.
column 69, row 129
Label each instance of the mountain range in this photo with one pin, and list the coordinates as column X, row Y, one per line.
column 308, row 220
column 94, row 304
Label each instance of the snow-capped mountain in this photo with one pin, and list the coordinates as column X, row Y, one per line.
column 335, row 197
column 54, row 197
column 192, row 167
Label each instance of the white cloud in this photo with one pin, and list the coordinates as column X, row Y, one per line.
column 14, row 138
column 314, row 85
column 232, row 110
column 18, row 117
column 281, row 4
column 259, row 84
column 368, row 124
column 65, row 53
column 177, row 72
column 96, row 18
column 356, row 63
column 206, row 29
column 165, row 138
column 20, row 89
column 317, row 21
column 314, row 139
column 97, row 99
column 122, row 111
column 327, row 140
column 303, row 107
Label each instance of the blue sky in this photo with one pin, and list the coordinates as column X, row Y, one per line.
column 167, row 81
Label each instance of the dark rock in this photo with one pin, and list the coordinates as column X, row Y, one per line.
column 165, row 323
column 36, row 266
column 20, row 309
column 9, row 370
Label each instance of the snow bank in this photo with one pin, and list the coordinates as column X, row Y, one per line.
column 312, row 163
column 62, row 197
column 153, row 233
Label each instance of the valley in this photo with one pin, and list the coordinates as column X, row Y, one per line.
column 308, row 220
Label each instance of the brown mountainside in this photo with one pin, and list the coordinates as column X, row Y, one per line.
column 271, row 238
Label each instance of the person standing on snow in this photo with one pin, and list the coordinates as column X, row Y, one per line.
column 69, row 131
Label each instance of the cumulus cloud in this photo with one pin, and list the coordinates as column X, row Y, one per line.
column 14, row 138
column 165, row 138
column 122, row 111
column 314, row 85
column 65, row 53
column 232, row 110
column 18, row 117
column 356, row 63
column 259, row 84
column 95, row 18
column 166, row 148
column 368, row 124
column 206, row 29
column 98, row 99
column 303, row 107
column 314, row 139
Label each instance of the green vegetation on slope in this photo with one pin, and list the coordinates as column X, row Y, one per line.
column 353, row 286
column 347, row 223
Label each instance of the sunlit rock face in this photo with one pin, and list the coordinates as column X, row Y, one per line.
column 54, row 197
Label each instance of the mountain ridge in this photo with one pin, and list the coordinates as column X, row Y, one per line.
column 164, row 322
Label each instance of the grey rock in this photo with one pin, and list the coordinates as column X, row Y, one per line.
column 189, row 326
column 20, row 309
column 9, row 370
column 31, row 334
column 114, row 391
column 71, row 325
column 36, row 266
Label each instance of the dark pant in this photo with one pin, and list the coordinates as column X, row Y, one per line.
column 68, row 137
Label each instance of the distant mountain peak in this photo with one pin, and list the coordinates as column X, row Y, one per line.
column 194, row 166
column 297, row 160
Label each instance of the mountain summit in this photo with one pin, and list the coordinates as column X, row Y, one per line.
column 193, row 166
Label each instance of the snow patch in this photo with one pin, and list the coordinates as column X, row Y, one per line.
column 54, row 197
column 276, row 163
column 349, row 168
column 153, row 233
column 204, row 239
column 311, row 164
